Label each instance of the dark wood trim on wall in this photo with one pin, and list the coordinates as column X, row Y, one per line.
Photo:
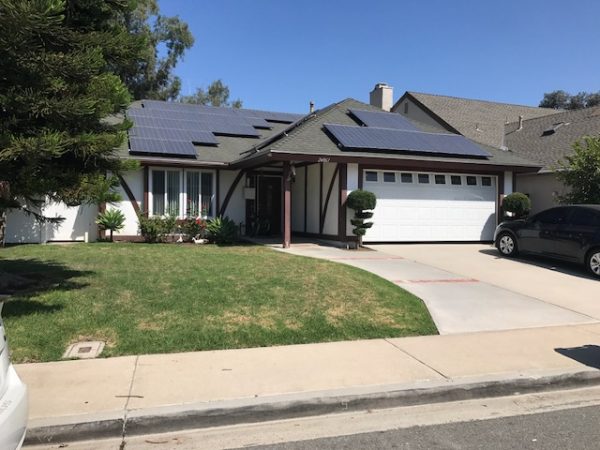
column 101, row 231
column 360, row 176
column 305, row 198
column 328, row 237
column 320, row 193
column 230, row 192
column 342, row 196
column 331, row 183
column 130, row 196
column 218, row 189
column 145, row 205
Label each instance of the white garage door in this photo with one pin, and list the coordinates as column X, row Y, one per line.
column 425, row 206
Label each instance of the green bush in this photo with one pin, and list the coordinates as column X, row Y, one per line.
column 518, row 204
column 156, row 229
column 222, row 230
column 111, row 220
column 360, row 200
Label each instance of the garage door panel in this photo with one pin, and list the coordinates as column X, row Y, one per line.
column 427, row 212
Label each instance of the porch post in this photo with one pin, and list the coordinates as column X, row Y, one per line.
column 287, row 205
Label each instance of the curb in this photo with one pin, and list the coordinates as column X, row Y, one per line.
column 141, row 423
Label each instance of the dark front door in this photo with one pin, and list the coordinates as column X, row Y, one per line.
column 269, row 203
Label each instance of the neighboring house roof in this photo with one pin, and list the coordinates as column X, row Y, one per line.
column 480, row 120
column 308, row 138
column 547, row 140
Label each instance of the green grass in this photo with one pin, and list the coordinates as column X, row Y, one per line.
column 161, row 298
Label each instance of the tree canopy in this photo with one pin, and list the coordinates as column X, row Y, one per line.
column 165, row 41
column 58, row 86
column 564, row 100
column 217, row 94
column 580, row 172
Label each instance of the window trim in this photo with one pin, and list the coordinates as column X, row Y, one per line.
column 182, row 189
column 367, row 172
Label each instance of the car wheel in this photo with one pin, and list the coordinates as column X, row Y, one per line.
column 506, row 244
column 593, row 262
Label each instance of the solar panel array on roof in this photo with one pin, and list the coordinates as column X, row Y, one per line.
column 162, row 147
column 385, row 139
column 165, row 127
column 383, row 120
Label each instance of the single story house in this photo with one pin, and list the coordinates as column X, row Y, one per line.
column 294, row 172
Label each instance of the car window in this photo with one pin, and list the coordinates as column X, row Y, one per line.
column 585, row 218
column 553, row 216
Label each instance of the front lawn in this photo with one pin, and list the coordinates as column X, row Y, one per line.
column 144, row 298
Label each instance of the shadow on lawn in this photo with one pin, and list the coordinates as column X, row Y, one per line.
column 25, row 278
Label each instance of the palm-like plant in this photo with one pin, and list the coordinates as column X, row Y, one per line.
column 112, row 220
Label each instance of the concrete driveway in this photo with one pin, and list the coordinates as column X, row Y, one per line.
column 469, row 288
column 552, row 283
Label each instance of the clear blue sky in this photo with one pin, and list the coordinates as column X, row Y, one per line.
column 280, row 54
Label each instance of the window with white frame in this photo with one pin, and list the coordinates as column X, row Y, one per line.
column 182, row 192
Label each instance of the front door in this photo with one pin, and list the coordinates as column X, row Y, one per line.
column 269, row 204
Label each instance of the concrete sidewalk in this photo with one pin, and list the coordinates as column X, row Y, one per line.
column 457, row 303
column 92, row 398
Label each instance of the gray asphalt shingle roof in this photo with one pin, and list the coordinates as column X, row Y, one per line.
column 547, row 140
column 310, row 138
column 480, row 120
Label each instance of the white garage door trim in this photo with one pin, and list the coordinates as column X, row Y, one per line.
column 428, row 206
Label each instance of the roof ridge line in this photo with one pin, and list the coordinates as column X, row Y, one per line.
column 480, row 100
column 561, row 113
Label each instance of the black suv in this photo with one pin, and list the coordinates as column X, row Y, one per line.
column 570, row 233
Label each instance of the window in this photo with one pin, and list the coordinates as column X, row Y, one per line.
column 389, row 177
column 165, row 192
column 423, row 178
column 554, row 216
column 440, row 179
column 371, row 176
column 471, row 181
column 406, row 177
column 486, row 181
column 182, row 193
column 406, row 108
column 583, row 217
column 455, row 180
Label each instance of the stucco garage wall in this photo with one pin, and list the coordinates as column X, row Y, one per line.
column 22, row 228
column 312, row 207
column 541, row 189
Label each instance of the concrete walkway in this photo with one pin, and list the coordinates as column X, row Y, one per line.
column 457, row 304
column 90, row 391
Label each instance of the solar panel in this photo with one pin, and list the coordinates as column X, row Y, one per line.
column 169, row 134
column 383, row 120
column 370, row 138
column 175, row 148
column 221, row 124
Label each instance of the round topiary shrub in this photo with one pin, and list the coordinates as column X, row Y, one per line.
column 361, row 201
column 518, row 204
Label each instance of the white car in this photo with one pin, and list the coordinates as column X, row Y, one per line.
column 13, row 399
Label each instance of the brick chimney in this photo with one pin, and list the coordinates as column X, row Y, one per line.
column 382, row 96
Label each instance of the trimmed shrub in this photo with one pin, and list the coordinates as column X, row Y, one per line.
column 193, row 228
column 518, row 204
column 222, row 230
column 156, row 229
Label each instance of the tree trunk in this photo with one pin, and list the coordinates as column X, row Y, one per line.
column 111, row 235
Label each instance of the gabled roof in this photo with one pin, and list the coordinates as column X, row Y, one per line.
column 480, row 120
column 547, row 140
column 308, row 137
